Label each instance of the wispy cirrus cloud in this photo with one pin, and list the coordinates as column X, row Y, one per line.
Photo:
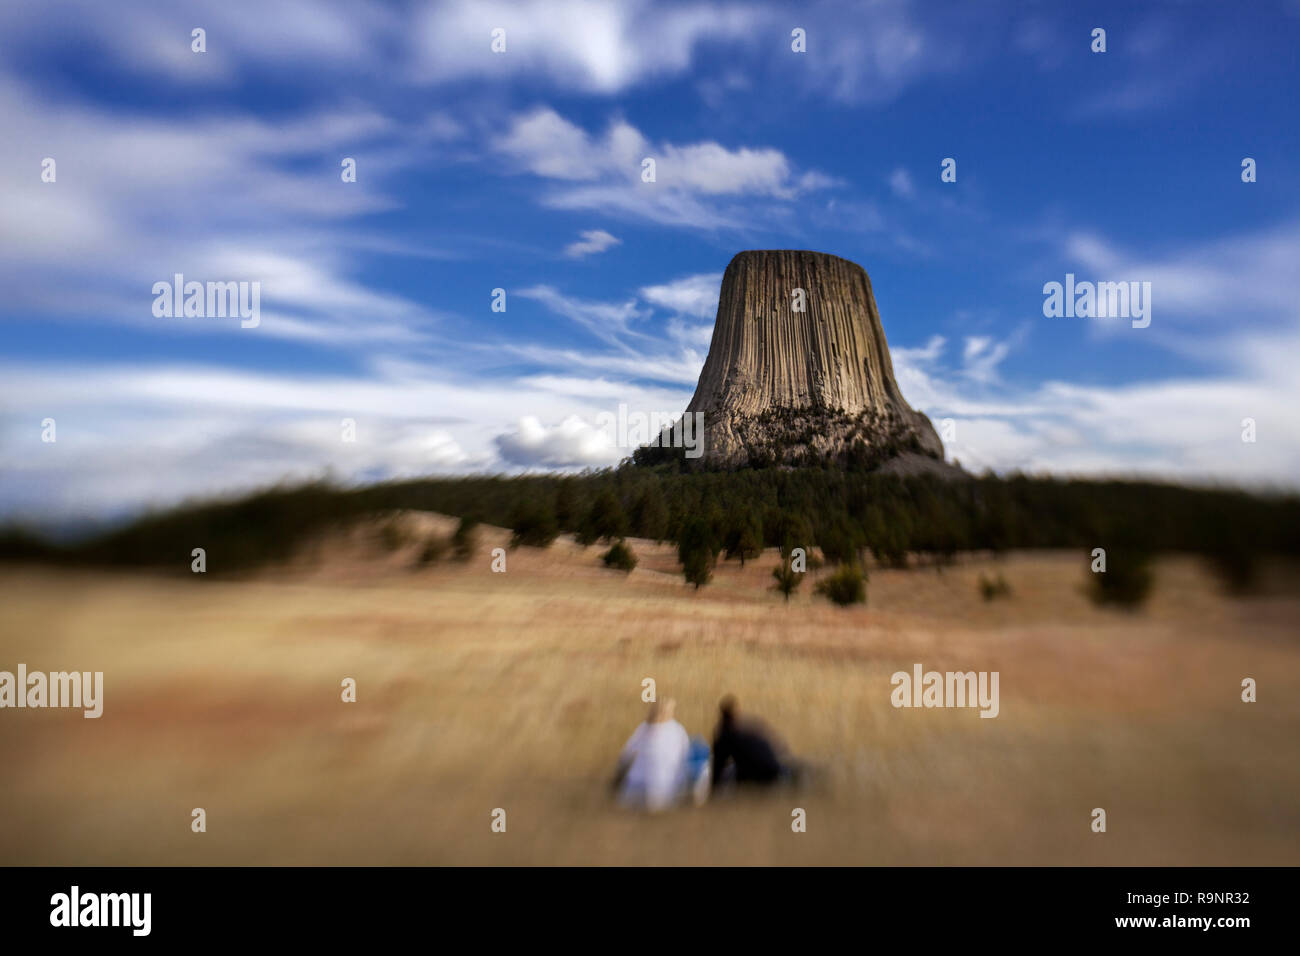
column 585, row 45
column 1208, row 279
column 576, row 46
column 239, row 206
column 609, row 321
column 680, row 366
column 1183, row 426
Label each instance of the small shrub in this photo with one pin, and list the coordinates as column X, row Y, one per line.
column 464, row 542
column 848, row 585
column 1237, row 566
column 787, row 579
column 433, row 551
column 620, row 556
column 697, row 567
column 994, row 587
column 19, row 544
column 533, row 524
column 1125, row 583
column 392, row 535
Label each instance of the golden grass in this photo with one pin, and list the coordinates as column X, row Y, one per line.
column 517, row 690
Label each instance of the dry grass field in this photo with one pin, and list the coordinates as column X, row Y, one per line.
column 479, row 690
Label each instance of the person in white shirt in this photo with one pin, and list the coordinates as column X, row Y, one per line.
column 653, row 767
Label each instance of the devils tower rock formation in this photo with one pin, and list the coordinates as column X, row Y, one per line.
column 788, row 387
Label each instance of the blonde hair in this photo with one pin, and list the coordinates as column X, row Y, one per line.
column 661, row 711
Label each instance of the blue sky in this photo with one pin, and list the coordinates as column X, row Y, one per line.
column 521, row 170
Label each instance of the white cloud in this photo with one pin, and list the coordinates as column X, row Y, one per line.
column 695, row 295
column 546, row 144
column 900, row 181
column 981, row 356
column 593, row 241
column 680, row 368
column 605, row 320
column 713, row 170
column 147, row 38
column 131, row 435
column 1187, row 429
column 975, row 345
column 572, row 443
column 692, row 336
column 1129, row 92
column 874, row 65
column 1208, row 280
column 138, row 435
column 639, row 353
column 695, row 184
column 923, row 355
column 587, row 45
column 98, row 229
column 602, row 388
column 1178, row 427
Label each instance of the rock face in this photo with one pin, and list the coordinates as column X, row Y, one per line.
column 783, row 386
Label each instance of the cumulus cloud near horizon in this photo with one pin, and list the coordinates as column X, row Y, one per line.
column 572, row 443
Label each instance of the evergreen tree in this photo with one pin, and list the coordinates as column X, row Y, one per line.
column 795, row 533
column 743, row 539
column 607, row 520
column 567, row 510
column 650, row 513
column 696, row 551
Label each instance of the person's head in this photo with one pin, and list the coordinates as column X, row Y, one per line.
column 727, row 707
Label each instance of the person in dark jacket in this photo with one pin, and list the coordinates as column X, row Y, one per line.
column 744, row 750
